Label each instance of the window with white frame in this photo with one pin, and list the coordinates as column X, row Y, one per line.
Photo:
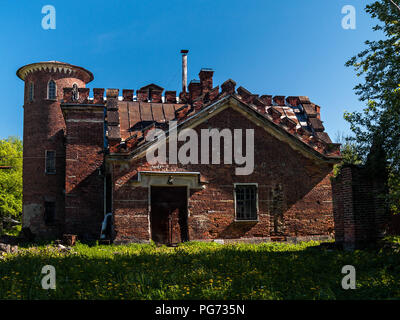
column 50, row 161
column 246, row 202
column 51, row 90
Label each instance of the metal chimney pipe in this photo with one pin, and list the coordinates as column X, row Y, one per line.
column 184, row 70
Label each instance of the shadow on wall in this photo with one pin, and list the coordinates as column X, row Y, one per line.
column 237, row 229
column 84, row 211
column 289, row 213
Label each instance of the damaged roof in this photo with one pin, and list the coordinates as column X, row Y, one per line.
column 128, row 119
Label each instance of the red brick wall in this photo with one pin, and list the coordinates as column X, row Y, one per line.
column 361, row 215
column 294, row 192
column 84, row 175
column 44, row 130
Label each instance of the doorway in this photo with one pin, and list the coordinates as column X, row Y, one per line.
column 169, row 215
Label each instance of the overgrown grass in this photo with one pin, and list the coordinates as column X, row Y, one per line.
column 200, row 271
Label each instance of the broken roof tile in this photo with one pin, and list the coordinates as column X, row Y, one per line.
column 309, row 109
column 129, row 120
column 304, row 99
column 324, row 137
column 280, row 100
column 316, row 124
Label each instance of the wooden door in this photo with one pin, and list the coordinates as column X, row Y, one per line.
column 168, row 216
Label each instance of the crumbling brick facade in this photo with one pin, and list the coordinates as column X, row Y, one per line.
column 360, row 210
column 294, row 194
column 102, row 165
column 44, row 129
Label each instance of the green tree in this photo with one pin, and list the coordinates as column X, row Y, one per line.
column 349, row 152
column 11, row 179
column 379, row 67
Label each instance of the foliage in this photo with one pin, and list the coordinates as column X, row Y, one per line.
column 11, row 179
column 200, row 271
column 349, row 153
column 379, row 64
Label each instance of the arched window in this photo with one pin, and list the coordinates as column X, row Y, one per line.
column 31, row 91
column 51, row 90
column 75, row 92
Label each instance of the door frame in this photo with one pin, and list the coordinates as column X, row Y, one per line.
column 168, row 186
column 147, row 179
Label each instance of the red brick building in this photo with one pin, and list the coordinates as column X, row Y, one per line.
column 85, row 157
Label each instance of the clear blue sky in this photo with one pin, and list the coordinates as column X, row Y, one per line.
column 269, row 47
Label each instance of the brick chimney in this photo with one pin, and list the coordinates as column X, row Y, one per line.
column 194, row 89
column 206, row 79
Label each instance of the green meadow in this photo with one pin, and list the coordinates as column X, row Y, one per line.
column 200, row 271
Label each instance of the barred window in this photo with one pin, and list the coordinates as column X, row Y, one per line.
column 50, row 161
column 31, row 91
column 52, row 90
column 49, row 212
column 246, row 201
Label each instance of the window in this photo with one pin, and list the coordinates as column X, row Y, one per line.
column 31, row 91
column 51, row 90
column 75, row 92
column 50, row 161
column 49, row 212
column 246, row 201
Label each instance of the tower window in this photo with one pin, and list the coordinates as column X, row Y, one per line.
column 51, row 90
column 50, row 162
column 31, row 91
column 75, row 92
column 246, row 201
column 49, row 212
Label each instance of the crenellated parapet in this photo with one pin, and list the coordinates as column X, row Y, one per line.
column 296, row 115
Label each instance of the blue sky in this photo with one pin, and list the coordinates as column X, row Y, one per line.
column 293, row 47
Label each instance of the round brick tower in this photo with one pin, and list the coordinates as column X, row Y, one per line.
column 44, row 149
